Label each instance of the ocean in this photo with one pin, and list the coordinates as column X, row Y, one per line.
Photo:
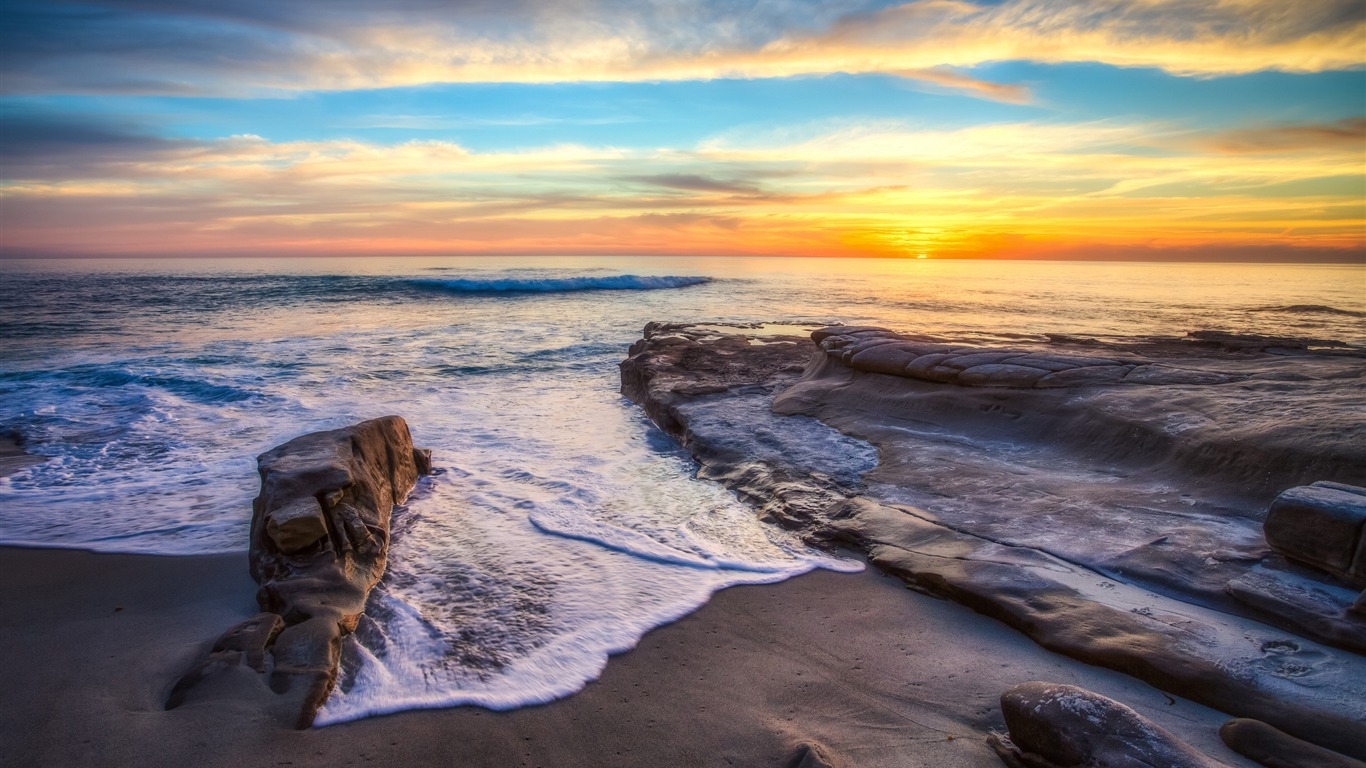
column 560, row 525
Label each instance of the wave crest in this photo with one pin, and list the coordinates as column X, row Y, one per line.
column 559, row 284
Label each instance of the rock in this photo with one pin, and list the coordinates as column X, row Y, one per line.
column 297, row 525
column 1258, row 741
column 251, row 638
column 1059, row 362
column 930, row 368
column 890, row 359
column 1001, row 375
column 1321, row 525
column 1308, row 608
column 422, row 460
column 822, row 334
column 1163, row 374
column 847, row 353
column 1052, row 562
column 1053, row 725
column 1085, row 376
column 975, row 358
column 1248, row 342
column 319, row 542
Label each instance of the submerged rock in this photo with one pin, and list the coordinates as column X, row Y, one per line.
column 319, row 543
column 1055, row 726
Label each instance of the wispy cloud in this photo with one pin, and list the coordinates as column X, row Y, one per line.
column 184, row 46
column 828, row 188
column 1348, row 133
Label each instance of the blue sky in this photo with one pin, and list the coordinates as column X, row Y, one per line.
column 949, row 128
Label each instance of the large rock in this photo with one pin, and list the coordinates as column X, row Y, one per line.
column 319, row 542
column 1054, row 725
column 1322, row 525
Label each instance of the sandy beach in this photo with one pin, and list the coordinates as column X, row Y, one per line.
column 867, row 671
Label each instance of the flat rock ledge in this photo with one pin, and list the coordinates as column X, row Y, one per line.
column 1186, row 642
column 319, row 543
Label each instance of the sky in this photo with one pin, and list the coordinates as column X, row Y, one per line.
column 1084, row 129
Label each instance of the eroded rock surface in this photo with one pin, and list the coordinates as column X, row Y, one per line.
column 1105, row 519
column 319, row 543
column 1054, row 725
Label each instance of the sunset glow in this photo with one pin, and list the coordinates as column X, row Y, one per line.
column 927, row 129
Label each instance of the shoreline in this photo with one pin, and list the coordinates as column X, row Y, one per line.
column 867, row 671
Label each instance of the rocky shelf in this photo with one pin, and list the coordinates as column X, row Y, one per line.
column 1106, row 499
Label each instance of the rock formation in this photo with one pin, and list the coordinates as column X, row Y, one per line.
column 319, row 543
column 1114, row 518
column 1053, row 726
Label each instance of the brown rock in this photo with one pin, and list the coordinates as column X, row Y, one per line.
column 319, row 542
column 252, row 638
column 296, row 525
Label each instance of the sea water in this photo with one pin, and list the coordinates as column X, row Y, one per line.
column 560, row 526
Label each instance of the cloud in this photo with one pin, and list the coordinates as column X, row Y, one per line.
column 827, row 188
column 260, row 47
column 1348, row 133
column 696, row 183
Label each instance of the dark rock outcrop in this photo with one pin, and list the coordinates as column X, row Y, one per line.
column 319, row 543
column 1054, row 725
column 1258, row 741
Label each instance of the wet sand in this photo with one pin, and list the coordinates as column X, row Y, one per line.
column 869, row 672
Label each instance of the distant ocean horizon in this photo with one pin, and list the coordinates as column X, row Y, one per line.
column 561, row 525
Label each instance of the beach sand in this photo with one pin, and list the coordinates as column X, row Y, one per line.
column 871, row 673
